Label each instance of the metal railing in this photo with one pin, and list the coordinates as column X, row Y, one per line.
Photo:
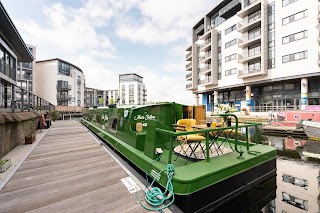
column 16, row 99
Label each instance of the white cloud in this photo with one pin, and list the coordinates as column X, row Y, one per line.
column 81, row 35
column 162, row 22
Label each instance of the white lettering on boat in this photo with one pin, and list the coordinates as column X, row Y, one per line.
column 144, row 117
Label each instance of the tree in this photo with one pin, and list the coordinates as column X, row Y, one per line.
column 111, row 101
column 101, row 101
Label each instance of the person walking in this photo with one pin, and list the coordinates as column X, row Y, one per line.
column 43, row 122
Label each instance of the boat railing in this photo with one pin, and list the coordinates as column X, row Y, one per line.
column 173, row 135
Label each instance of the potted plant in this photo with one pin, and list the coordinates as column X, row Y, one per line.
column 30, row 135
column 4, row 164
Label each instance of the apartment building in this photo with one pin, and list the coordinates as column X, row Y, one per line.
column 12, row 49
column 97, row 97
column 132, row 90
column 256, row 54
column 60, row 82
column 25, row 72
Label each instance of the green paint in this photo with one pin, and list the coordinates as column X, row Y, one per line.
column 139, row 148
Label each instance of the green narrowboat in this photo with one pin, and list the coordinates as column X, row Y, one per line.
column 203, row 178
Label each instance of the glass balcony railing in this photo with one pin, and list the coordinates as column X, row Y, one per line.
column 188, row 65
column 188, row 86
column 188, row 55
column 247, row 3
column 205, row 81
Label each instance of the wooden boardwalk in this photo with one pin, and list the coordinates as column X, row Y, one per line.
column 68, row 172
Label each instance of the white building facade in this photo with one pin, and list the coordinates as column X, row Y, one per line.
column 93, row 97
column 256, row 54
column 132, row 90
column 60, row 82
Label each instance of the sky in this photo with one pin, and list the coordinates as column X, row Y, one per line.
column 106, row 38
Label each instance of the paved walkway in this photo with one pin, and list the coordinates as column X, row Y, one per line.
column 67, row 171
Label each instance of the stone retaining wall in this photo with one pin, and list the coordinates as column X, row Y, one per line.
column 12, row 129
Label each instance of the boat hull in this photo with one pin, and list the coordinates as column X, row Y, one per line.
column 212, row 198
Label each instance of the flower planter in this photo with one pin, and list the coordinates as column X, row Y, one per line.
column 30, row 140
column 5, row 166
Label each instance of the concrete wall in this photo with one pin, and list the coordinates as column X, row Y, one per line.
column 12, row 129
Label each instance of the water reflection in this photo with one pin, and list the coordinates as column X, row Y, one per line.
column 298, row 174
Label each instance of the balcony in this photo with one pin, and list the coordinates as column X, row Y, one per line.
column 26, row 77
column 245, row 58
column 249, row 7
column 246, row 25
column 199, row 30
column 319, row 58
column 250, row 73
column 247, row 41
column 230, row 8
column 7, row 70
column 188, row 56
column 319, row 16
column 207, row 43
column 189, row 86
column 206, row 57
column 64, row 87
column 189, row 66
column 64, row 98
column 205, row 69
column 205, row 81
column 189, row 76
column 79, row 81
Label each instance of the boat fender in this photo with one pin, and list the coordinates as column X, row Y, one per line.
column 139, row 127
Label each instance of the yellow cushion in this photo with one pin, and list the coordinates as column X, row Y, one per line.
column 187, row 123
column 190, row 138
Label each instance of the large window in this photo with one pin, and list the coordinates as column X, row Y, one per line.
column 295, row 37
column 295, row 17
column 231, row 72
column 254, row 66
column 64, row 68
column 230, row 43
column 271, row 36
column 230, row 29
column 254, row 50
column 295, row 56
column 229, row 58
column 254, row 33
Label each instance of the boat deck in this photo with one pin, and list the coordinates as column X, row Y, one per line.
column 68, row 171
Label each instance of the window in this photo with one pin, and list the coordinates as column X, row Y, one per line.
column 294, row 56
column 295, row 37
column 254, row 66
column 231, row 43
column 230, row 29
column 286, row 2
column 254, row 33
column 113, row 123
column 295, row 17
column 254, row 50
column 254, row 16
column 231, row 72
column 230, row 58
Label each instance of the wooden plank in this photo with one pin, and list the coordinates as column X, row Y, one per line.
column 68, row 173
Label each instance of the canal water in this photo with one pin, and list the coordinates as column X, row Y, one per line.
column 297, row 185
